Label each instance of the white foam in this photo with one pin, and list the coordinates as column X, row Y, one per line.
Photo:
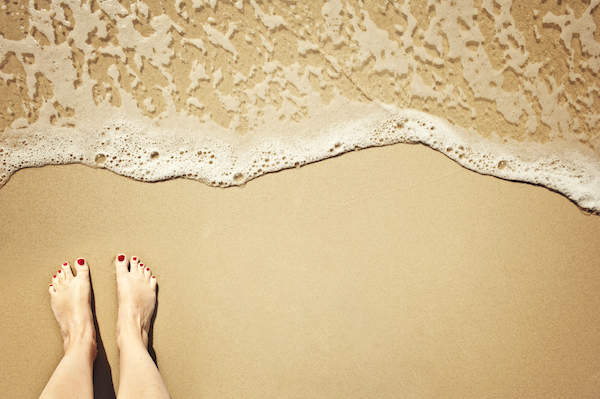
column 321, row 81
column 126, row 149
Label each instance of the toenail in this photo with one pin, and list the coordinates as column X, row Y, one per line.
column 50, row 285
column 60, row 271
column 153, row 276
column 134, row 258
column 54, row 276
column 147, row 269
column 80, row 261
column 64, row 264
column 141, row 265
column 121, row 258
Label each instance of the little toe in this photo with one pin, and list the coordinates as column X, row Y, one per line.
column 51, row 289
column 66, row 271
column 82, row 268
column 153, row 281
column 121, row 263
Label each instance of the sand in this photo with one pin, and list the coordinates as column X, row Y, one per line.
column 385, row 273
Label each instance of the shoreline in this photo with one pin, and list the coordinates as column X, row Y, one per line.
column 124, row 149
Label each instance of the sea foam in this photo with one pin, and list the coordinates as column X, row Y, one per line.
column 223, row 91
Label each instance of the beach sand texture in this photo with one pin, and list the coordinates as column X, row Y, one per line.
column 385, row 273
column 382, row 273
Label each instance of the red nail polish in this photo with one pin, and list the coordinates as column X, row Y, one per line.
column 64, row 264
column 80, row 261
column 50, row 285
column 147, row 269
column 134, row 258
column 54, row 276
column 60, row 271
column 153, row 276
column 141, row 264
column 121, row 258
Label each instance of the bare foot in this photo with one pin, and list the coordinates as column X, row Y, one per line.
column 70, row 302
column 137, row 298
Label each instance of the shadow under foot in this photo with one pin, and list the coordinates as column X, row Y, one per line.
column 102, row 378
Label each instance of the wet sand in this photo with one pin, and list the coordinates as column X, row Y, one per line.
column 385, row 273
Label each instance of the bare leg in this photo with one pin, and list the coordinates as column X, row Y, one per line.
column 137, row 298
column 70, row 302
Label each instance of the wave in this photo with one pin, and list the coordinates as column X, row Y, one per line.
column 223, row 92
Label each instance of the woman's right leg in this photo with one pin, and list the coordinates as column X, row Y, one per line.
column 139, row 376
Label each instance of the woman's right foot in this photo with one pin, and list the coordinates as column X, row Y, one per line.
column 136, row 287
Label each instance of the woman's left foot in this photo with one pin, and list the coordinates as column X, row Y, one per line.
column 70, row 301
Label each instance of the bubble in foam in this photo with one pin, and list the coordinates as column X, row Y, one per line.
column 100, row 159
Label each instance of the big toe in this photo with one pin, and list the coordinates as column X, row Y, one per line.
column 121, row 263
column 82, row 268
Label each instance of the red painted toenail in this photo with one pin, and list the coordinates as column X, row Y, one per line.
column 64, row 264
column 80, row 261
column 60, row 271
column 153, row 276
column 50, row 285
column 121, row 258
column 134, row 258
column 147, row 269
column 54, row 276
column 141, row 264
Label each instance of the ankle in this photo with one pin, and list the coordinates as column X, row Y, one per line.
column 131, row 332
column 82, row 343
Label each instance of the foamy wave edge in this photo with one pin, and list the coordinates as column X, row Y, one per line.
column 131, row 150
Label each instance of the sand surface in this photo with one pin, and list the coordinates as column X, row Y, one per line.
column 385, row 273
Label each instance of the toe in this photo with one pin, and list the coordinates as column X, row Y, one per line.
column 121, row 263
column 141, row 268
column 82, row 268
column 153, row 281
column 134, row 263
column 55, row 280
column 147, row 273
column 66, row 271
column 51, row 289
column 60, row 275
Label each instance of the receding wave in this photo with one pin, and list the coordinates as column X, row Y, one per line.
column 225, row 91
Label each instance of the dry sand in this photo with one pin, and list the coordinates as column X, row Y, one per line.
column 386, row 273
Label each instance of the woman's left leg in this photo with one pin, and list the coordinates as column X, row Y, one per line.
column 70, row 302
